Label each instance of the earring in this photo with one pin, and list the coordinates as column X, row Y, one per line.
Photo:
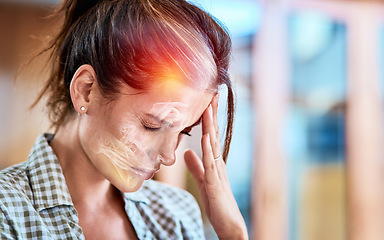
column 82, row 108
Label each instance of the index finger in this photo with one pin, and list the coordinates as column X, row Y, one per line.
column 208, row 127
column 215, row 105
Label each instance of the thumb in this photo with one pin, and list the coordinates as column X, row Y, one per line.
column 194, row 165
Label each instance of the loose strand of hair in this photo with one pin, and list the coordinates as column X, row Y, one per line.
column 67, row 11
column 230, row 120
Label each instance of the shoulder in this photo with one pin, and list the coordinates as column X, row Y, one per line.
column 15, row 197
column 14, row 183
column 15, row 190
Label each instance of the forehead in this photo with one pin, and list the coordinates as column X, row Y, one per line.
column 161, row 101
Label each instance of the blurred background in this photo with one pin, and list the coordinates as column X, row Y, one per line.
column 307, row 155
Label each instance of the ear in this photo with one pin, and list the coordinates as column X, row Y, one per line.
column 83, row 82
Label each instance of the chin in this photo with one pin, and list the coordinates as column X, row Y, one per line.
column 132, row 186
column 124, row 180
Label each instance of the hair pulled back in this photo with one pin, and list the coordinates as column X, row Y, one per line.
column 136, row 42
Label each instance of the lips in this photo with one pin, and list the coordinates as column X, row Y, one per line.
column 144, row 173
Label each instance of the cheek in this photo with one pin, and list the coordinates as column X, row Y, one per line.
column 133, row 134
column 115, row 160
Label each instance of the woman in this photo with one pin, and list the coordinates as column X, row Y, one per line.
column 129, row 79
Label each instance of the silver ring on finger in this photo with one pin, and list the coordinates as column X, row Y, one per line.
column 217, row 158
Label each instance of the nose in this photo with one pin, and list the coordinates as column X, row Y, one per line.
column 167, row 152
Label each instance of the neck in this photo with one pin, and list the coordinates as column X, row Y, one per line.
column 87, row 187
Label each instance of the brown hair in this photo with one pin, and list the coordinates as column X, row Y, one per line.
column 133, row 41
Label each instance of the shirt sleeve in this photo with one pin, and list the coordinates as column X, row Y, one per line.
column 6, row 230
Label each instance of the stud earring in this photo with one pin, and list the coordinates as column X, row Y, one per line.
column 82, row 108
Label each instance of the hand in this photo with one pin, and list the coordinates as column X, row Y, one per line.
column 210, row 174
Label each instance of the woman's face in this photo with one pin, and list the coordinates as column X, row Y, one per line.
column 129, row 138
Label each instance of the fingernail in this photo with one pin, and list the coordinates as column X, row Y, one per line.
column 208, row 137
column 210, row 110
column 217, row 96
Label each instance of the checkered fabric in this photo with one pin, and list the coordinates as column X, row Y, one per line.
column 35, row 204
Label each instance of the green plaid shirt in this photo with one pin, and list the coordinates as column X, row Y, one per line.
column 35, row 204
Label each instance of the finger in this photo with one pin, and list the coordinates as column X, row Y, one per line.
column 211, row 175
column 222, row 170
column 205, row 120
column 194, row 165
column 215, row 105
column 208, row 127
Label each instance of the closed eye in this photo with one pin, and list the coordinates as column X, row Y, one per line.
column 149, row 126
column 151, row 129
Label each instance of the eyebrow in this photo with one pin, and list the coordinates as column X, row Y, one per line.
column 163, row 122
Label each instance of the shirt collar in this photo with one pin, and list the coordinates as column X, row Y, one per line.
column 138, row 196
column 46, row 177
